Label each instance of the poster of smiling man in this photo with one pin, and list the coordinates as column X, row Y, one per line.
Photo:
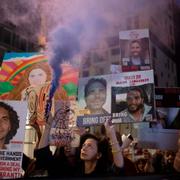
column 94, row 100
column 13, row 116
column 134, row 45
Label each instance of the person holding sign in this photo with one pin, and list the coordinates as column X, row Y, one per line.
column 92, row 159
column 9, row 123
column 95, row 96
column 137, row 110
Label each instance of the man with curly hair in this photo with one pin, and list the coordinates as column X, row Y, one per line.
column 9, row 123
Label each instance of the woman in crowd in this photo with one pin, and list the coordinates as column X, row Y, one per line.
column 91, row 160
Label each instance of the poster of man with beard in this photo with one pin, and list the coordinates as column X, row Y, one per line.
column 133, row 97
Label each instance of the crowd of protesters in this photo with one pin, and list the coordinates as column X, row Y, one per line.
column 98, row 155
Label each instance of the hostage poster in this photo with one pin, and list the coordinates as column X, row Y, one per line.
column 12, row 130
column 124, row 97
column 135, row 54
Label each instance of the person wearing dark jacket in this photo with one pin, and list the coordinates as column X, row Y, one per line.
column 91, row 160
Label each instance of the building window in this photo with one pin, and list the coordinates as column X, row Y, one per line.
column 172, row 69
column 99, row 57
column 129, row 23
column 115, row 51
column 15, row 40
column 23, row 44
column 136, row 21
column 6, row 35
column 86, row 62
column 156, row 80
column 168, row 63
column 85, row 73
column 162, row 74
column 154, row 53
column 113, row 41
column 101, row 71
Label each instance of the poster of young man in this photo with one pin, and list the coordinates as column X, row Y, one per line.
column 132, row 97
column 167, row 108
column 13, row 116
column 94, row 95
column 134, row 45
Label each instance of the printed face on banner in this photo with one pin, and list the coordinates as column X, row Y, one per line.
column 93, row 97
column 167, row 108
column 132, row 104
column 130, row 96
column 135, row 54
column 13, row 116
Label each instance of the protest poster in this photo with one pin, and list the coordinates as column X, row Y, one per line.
column 132, row 97
column 112, row 96
column 135, row 53
column 167, row 107
column 94, row 100
column 27, row 76
column 64, row 130
column 12, row 124
column 156, row 138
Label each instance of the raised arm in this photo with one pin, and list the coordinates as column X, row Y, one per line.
column 116, row 149
column 44, row 141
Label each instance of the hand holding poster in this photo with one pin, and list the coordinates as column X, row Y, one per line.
column 12, row 128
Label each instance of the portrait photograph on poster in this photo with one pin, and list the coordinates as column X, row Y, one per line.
column 129, row 96
column 94, row 100
column 135, row 55
column 13, row 116
column 124, row 107
column 132, row 97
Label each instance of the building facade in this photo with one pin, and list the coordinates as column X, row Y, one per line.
column 11, row 41
column 159, row 19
